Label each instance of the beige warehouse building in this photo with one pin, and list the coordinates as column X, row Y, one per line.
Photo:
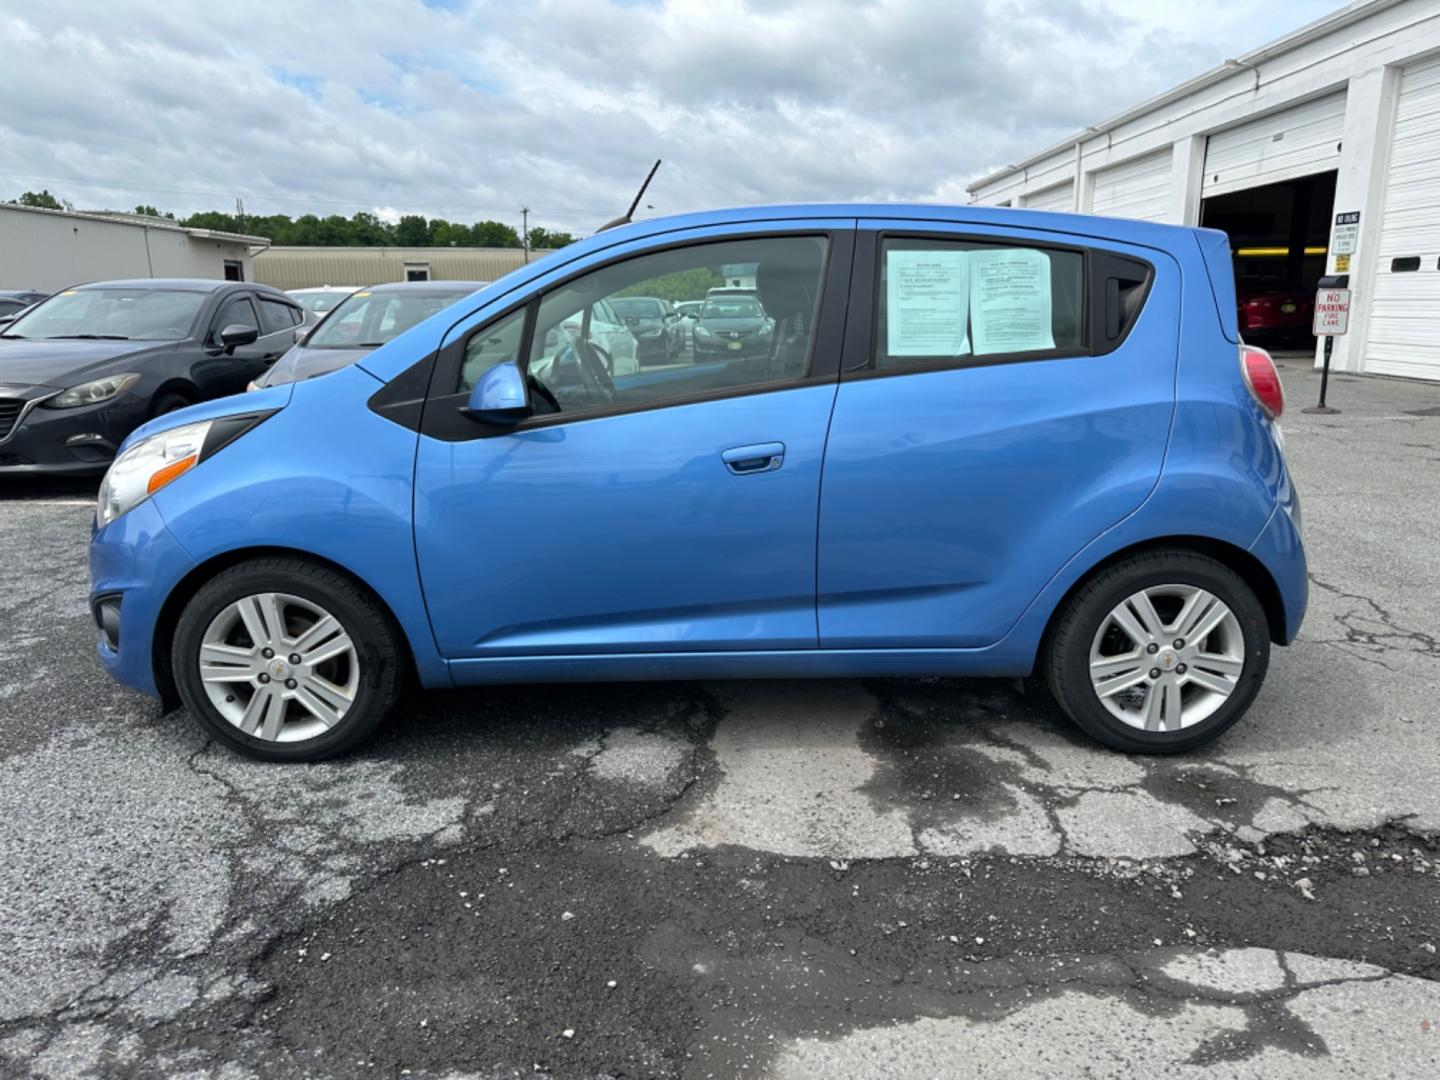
column 48, row 250
column 308, row 267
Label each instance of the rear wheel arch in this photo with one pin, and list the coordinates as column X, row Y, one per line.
column 1249, row 569
column 169, row 617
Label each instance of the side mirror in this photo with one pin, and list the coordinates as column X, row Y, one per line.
column 301, row 333
column 237, row 334
column 501, row 396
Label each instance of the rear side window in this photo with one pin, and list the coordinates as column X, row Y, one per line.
column 276, row 316
column 951, row 301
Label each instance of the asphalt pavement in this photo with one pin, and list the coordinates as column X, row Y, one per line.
column 908, row 878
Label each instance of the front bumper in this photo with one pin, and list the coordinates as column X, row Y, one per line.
column 135, row 563
column 79, row 441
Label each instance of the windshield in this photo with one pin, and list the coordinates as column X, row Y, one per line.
column 318, row 301
column 732, row 307
column 367, row 320
column 636, row 307
column 139, row 314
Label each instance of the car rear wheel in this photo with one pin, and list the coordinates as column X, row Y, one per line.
column 286, row 660
column 1159, row 653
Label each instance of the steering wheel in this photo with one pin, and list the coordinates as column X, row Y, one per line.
column 597, row 366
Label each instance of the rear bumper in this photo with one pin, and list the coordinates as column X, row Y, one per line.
column 1280, row 549
column 135, row 562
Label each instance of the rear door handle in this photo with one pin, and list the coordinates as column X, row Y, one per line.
column 755, row 458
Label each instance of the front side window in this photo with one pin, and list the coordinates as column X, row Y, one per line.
column 138, row 314
column 237, row 312
column 598, row 341
column 944, row 300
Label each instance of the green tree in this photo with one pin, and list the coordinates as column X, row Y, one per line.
column 412, row 230
column 43, row 199
column 494, row 234
column 211, row 219
column 367, row 230
column 542, row 238
column 150, row 211
column 681, row 285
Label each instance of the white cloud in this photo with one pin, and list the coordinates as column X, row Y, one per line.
column 562, row 105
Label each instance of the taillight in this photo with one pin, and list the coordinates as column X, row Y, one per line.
column 1262, row 380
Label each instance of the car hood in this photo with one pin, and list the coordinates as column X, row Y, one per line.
column 302, row 363
column 60, row 364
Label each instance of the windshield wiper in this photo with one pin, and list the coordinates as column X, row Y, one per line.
column 14, row 337
column 87, row 337
column 368, row 345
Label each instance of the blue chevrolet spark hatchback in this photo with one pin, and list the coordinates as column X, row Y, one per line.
column 976, row 442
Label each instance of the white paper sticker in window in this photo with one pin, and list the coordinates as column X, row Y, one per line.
column 1010, row 300
column 927, row 300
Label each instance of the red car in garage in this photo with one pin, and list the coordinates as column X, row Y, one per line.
column 1268, row 307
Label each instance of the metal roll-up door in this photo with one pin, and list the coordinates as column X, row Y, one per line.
column 1136, row 189
column 1404, row 331
column 1060, row 197
column 1298, row 141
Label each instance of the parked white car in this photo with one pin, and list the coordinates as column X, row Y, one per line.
column 608, row 331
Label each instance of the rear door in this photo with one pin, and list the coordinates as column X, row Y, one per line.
column 1007, row 396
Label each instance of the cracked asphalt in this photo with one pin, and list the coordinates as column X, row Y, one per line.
column 911, row 878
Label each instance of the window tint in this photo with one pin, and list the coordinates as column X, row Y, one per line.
column 491, row 345
column 275, row 316
column 949, row 300
column 237, row 312
column 589, row 355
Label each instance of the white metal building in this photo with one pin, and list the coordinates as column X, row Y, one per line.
column 1339, row 118
column 47, row 250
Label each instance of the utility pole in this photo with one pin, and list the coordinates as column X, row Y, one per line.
column 525, row 231
column 240, row 214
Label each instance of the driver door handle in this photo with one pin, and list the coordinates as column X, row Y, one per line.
column 755, row 458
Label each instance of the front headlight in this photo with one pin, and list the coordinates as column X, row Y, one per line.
column 701, row 331
column 154, row 461
column 94, row 392
column 146, row 467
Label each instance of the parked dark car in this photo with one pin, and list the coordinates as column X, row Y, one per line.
column 732, row 327
column 14, row 301
column 657, row 329
column 361, row 323
column 83, row 369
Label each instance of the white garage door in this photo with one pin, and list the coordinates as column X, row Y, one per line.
column 1299, row 141
column 1404, row 336
column 1060, row 197
column 1136, row 189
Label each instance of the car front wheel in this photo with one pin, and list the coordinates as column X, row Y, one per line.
column 286, row 660
column 1159, row 653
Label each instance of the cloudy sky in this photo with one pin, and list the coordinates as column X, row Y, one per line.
column 470, row 109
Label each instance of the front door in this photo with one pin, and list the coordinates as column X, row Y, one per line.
column 1007, row 398
column 669, row 509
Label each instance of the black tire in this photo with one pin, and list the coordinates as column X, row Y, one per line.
column 378, row 645
column 168, row 402
column 1066, row 662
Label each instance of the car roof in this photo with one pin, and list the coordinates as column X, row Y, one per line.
column 436, row 287
column 325, row 289
column 200, row 285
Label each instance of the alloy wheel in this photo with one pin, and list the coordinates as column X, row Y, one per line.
column 279, row 667
column 1167, row 657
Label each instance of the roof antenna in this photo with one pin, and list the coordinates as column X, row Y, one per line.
column 625, row 218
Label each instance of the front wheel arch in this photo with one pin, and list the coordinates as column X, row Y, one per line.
column 169, row 617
